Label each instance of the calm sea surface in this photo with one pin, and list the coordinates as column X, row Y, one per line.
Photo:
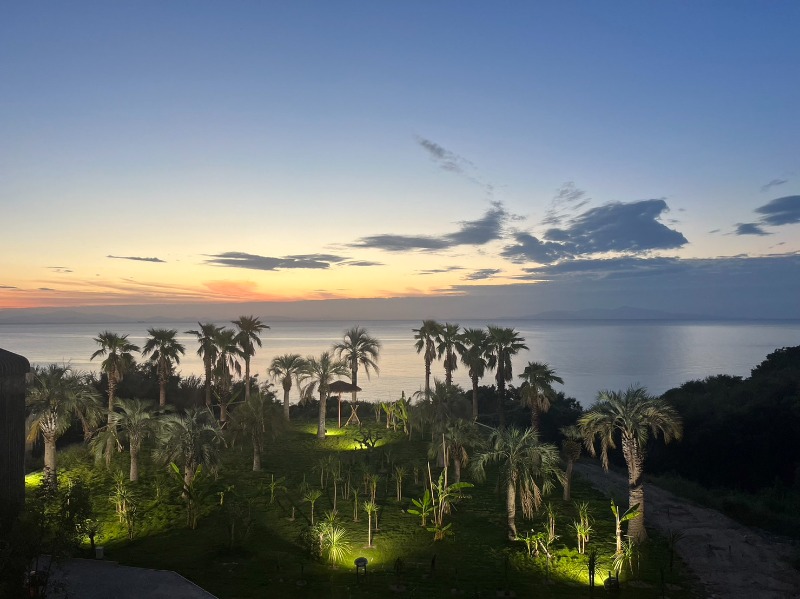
column 589, row 356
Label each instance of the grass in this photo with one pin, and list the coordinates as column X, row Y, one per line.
column 274, row 559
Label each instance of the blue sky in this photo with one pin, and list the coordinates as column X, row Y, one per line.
column 545, row 155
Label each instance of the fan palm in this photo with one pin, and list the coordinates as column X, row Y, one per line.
column 252, row 420
column 228, row 351
column 504, row 344
column 528, row 469
column 358, row 348
column 571, row 450
column 247, row 338
column 286, row 368
column 426, row 337
column 56, row 395
column 319, row 373
column 474, row 351
column 190, row 440
column 207, row 351
column 634, row 415
column 135, row 420
column 164, row 350
column 537, row 389
column 449, row 346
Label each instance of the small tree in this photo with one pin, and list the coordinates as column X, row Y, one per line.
column 621, row 517
column 371, row 508
column 424, row 507
column 311, row 497
column 400, row 473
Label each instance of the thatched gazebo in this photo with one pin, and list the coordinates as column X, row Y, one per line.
column 340, row 387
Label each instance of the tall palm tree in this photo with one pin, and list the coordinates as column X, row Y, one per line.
column 528, row 469
column 286, row 368
column 426, row 337
column 207, row 351
column 118, row 354
column 449, row 346
column 504, row 344
column 537, row 389
column 135, row 420
column 190, row 440
column 634, row 415
column 252, row 420
column 358, row 348
column 56, row 395
column 248, row 337
column 165, row 350
column 227, row 364
column 474, row 350
column 319, row 373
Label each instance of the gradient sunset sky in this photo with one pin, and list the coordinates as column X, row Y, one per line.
column 537, row 155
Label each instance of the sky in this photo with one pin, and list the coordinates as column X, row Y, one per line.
column 468, row 158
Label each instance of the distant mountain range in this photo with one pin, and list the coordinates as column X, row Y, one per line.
column 621, row 313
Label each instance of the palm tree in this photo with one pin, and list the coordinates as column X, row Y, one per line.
column 449, row 346
column 426, row 337
column 474, row 350
column 528, row 469
column 358, row 349
column 165, row 349
column 537, row 389
column 135, row 419
column 571, row 450
column 207, row 351
column 117, row 351
column 458, row 439
column 58, row 394
column 252, row 420
column 227, row 364
column 190, row 440
column 504, row 343
column 285, row 368
column 319, row 372
column 249, row 329
column 634, row 415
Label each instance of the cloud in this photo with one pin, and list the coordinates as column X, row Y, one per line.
column 362, row 263
column 436, row 271
column 447, row 160
column 773, row 183
column 631, row 228
column 568, row 199
column 477, row 232
column 483, row 274
column 256, row 262
column 136, row 258
column 8, row 287
column 750, row 229
column 59, row 269
column 46, row 289
column 781, row 211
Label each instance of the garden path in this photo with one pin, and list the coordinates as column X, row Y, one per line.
column 730, row 560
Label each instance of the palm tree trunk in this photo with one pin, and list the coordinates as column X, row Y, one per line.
column 163, row 377
column 112, row 389
column 568, row 481
column 207, row 362
column 474, row 397
column 223, row 412
column 534, row 417
column 322, row 414
column 511, row 509
column 286, row 390
column 427, row 379
column 256, row 456
column 134, row 474
column 50, row 458
column 501, row 396
column 635, row 461
column 456, row 470
column 247, row 378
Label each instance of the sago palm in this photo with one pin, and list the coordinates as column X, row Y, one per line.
column 634, row 415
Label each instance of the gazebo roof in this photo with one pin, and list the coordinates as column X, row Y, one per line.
column 343, row 387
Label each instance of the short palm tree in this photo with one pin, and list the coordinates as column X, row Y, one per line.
column 357, row 349
column 135, row 420
column 55, row 397
column 165, row 350
column 474, row 351
column 319, row 373
column 207, row 351
column 448, row 347
column 287, row 368
column 537, row 389
column 248, row 337
column 571, row 451
column 189, row 440
column 426, row 337
column 458, row 439
column 528, row 469
column 504, row 344
column 634, row 415
column 252, row 420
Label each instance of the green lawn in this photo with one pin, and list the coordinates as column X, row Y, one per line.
column 273, row 559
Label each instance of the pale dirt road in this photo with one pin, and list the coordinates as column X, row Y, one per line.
column 730, row 560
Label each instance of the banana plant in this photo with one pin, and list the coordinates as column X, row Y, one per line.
column 620, row 518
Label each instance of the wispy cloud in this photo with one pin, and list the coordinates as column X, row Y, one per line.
column 750, row 229
column 436, row 271
column 59, row 269
column 568, row 200
column 45, row 289
column 476, row 232
column 773, row 183
column 135, row 258
column 631, row 228
column 483, row 274
column 781, row 211
column 362, row 263
column 256, row 262
column 447, row 160
column 8, row 287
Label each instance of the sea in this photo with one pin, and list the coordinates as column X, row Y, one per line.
column 589, row 355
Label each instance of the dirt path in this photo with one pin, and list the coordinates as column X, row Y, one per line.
column 731, row 561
